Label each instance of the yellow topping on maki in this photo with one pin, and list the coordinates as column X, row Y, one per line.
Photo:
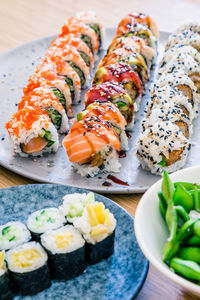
column 25, row 258
column 2, row 257
column 63, row 240
column 101, row 229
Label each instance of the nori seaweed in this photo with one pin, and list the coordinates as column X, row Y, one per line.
column 100, row 250
column 68, row 265
column 33, row 282
column 5, row 287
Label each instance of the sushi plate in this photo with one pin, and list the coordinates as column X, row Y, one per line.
column 16, row 66
column 118, row 277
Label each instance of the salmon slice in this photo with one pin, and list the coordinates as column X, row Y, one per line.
column 34, row 145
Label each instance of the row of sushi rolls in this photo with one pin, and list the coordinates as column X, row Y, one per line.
column 56, row 243
column 99, row 132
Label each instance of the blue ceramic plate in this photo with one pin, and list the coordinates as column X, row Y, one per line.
column 118, row 277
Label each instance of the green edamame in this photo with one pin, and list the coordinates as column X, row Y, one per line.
column 186, row 268
column 183, row 198
column 190, row 253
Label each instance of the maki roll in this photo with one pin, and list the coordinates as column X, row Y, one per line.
column 45, row 219
column 32, row 133
column 92, row 146
column 66, row 251
column 108, row 111
column 97, row 226
column 13, row 234
column 28, row 268
column 74, row 204
column 162, row 145
column 5, row 287
column 115, row 93
column 187, row 37
column 189, row 26
column 125, row 75
column 45, row 99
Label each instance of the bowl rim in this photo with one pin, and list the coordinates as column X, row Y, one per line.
column 159, row 265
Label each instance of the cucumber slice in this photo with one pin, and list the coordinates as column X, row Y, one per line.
column 85, row 57
column 55, row 117
column 87, row 40
column 78, row 71
column 59, row 95
column 69, row 81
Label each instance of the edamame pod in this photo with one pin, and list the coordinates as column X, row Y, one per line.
column 183, row 198
column 193, row 241
column 162, row 205
column 187, row 185
column 190, row 253
column 197, row 228
column 186, row 268
column 182, row 212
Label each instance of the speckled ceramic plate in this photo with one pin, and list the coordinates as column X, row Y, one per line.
column 118, row 277
column 16, row 66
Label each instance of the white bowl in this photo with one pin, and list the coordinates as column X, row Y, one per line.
column 151, row 230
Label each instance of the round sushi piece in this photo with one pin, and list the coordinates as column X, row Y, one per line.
column 125, row 75
column 162, row 145
column 71, row 55
column 45, row 219
column 74, row 204
column 187, row 37
column 108, row 111
column 28, row 268
column 115, row 93
column 13, row 234
column 174, row 84
column 66, row 251
column 189, row 25
column 5, row 286
column 32, row 133
column 80, row 29
column 45, row 99
column 97, row 226
column 72, row 40
column 92, row 146
column 94, row 22
column 127, row 23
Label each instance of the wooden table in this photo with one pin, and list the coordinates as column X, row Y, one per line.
column 24, row 20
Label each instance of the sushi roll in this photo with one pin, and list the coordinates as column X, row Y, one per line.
column 13, row 234
column 45, row 99
column 94, row 22
column 187, row 37
column 74, row 204
column 115, row 93
column 109, row 112
column 45, row 219
column 32, row 133
column 127, row 23
column 125, row 75
column 162, row 145
column 97, row 226
column 72, row 40
column 28, row 268
column 71, row 55
column 66, row 251
column 92, row 146
column 128, row 56
column 80, row 29
column 5, row 286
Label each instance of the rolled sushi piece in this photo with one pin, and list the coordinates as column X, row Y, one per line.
column 45, row 99
column 162, row 145
column 127, row 23
column 190, row 25
column 115, row 93
column 74, row 204
column 128, row 56
column 93, row 21
column 109, row 112
column 125, row 75
column 28, row 268
column 13, row 234
column 187, row 37
column 5, row 286
column 71, row 55
column 80, row 29
column 66, row 251
column 92, row 146
column 97, row 226
column 44, row 219
column 32, row 133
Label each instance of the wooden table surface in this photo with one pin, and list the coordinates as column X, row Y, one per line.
column 24, row 20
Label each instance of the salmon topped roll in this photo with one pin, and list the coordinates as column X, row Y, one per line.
column 32, row 133
column 71, row 55
column 72, row 40
column 92, row 146
column 43, row 98
column 108, row 112
column 123, row 74
column 85, row 32
column 115, row 93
